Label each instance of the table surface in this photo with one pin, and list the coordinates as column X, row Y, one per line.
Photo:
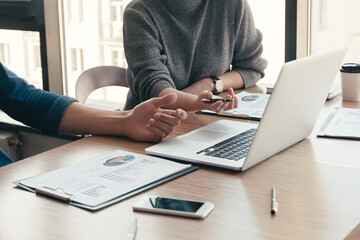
column 317, row 183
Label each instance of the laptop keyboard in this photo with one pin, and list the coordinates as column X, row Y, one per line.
column 234, row 148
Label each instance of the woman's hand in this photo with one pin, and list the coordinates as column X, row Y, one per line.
column 218, row 106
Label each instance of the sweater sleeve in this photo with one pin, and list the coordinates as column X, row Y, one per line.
column 247, row 60
column 34, row 107
column 145, row 56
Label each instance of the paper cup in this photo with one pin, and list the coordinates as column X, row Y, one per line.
column 350, row 81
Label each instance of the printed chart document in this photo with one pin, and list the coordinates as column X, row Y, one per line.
column 342, row 123
column 251, row 106
column 103, row 180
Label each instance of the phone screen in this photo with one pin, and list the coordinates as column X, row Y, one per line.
column 176, row 204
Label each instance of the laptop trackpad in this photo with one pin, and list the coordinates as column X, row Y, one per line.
column 205, row 136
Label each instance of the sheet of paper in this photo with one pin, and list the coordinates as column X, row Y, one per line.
column 250, row 105
column 100, row 179
column 346, row 122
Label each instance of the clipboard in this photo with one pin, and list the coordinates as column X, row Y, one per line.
column 341, row 135
column 61, row 194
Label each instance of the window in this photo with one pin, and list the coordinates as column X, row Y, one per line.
column 74, row 11
column 115, row 58
column 36, row 58
column 20, row 52
column 94, row 41
column 4, row 53
column 116, row 16
column 114, row 55
column 80, row 10
column 117, row 10
column 34, row 73
column 334, row 24
column 77, row 60
column 272, row 25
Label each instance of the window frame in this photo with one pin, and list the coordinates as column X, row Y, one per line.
column 297, row 22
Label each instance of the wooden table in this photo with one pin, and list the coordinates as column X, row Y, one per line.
column 317, row 182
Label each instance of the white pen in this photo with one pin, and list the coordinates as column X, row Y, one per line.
column 274, row 204
column 132, row 231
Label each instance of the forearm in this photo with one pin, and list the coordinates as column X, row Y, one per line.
column 82, row 119
column 231, row 79
column 185, row 101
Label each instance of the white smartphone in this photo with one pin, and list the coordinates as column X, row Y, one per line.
column 171, row 206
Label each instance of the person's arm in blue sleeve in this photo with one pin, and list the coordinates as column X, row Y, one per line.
column 4, row 159
column 52, row 113
column 29, row 105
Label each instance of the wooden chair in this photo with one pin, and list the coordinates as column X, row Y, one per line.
column 98, row 77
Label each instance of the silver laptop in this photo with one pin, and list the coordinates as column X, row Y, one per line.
column 289, row 117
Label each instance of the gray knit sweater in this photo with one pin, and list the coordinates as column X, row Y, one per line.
column 174, row 43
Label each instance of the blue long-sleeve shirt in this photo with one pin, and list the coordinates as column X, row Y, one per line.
column 34, row 107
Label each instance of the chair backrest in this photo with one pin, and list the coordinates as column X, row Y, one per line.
column 98, row 77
